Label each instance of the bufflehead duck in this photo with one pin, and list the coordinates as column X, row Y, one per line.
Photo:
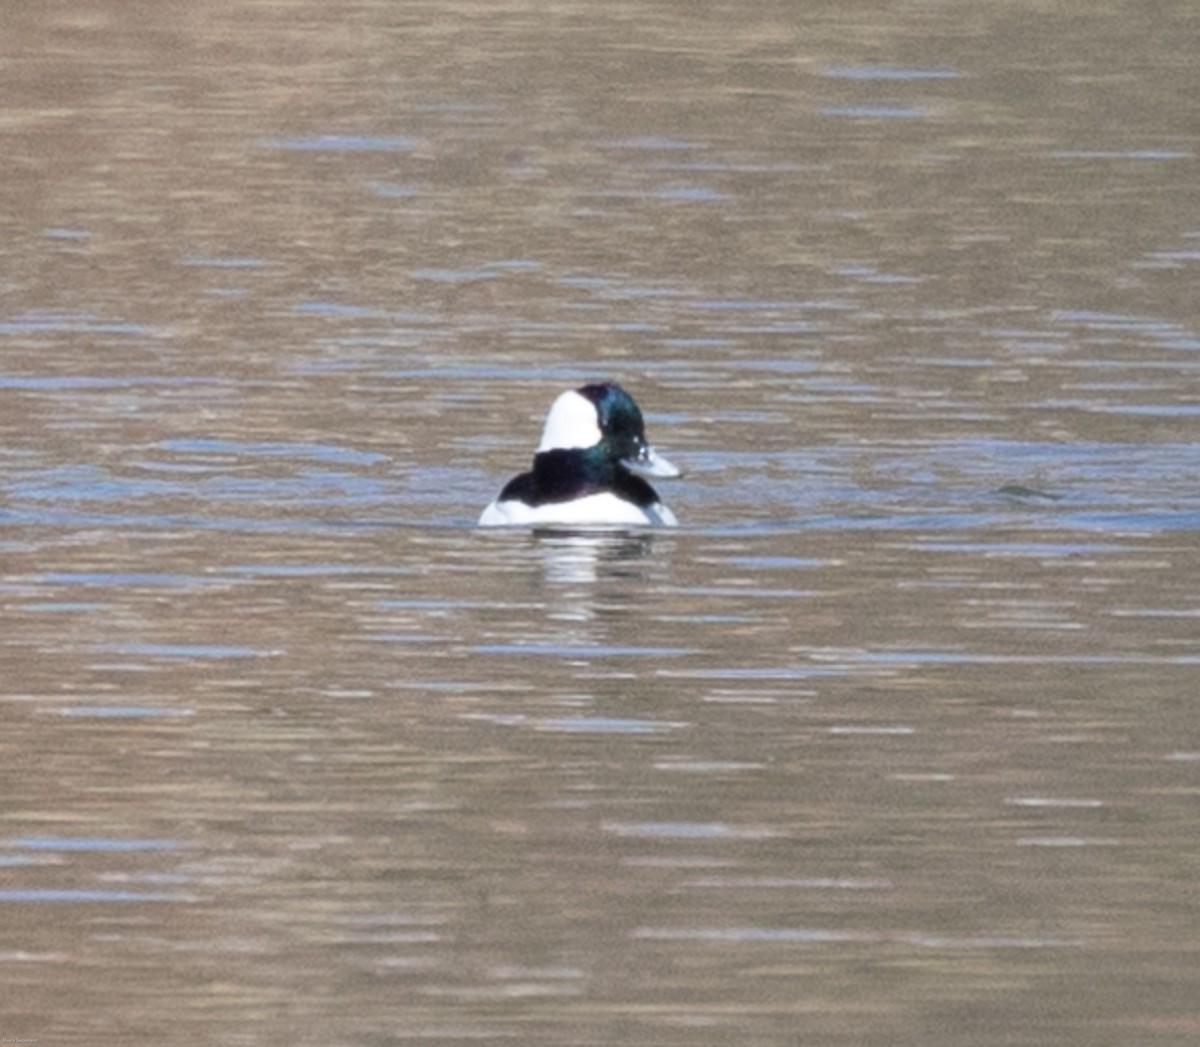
column 593, row 443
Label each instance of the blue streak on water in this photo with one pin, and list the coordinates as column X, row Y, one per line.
column 773, row 562
column 122, row 712
column 1111, row 321
column 340, row 310
column 114, row 579
column 691, row 194
column 88, row 843
column 532, row 372
column 696, row 343
column 432, row 604
column 323, row 570
column 62, row 607
column 453, row 276
column 779, row 672
column 904, row 658
column 394, row 192
column 312, row 452
column 1149, row 410
column 768, row 305
column 875, row 112
column 815, row 936
column 203, row 261
column 48, row 322
column 71, row 382
column 653, row 142
column 341, row 143
column 602, row 725
column 1175, row 256
column 82, row 483
column 755, row 934
column 66, row 518
column 869, row 275
column 514, row 265
column 1118, row 154
column 578, row 724
column 157, row 650
column 884, row 72
column 688, row 830
column 581, row 650
column 47, row 895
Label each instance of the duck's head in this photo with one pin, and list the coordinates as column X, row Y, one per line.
column 603, row 418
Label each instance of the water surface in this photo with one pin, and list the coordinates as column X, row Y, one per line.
column 893, row 742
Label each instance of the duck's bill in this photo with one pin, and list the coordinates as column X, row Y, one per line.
column 650, row 463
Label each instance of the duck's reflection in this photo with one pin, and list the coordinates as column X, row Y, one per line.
column 587, row 570
column 581, row 557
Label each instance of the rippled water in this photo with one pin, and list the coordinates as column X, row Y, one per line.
column 894, row 741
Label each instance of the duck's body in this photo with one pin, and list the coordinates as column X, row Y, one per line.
column 583, row 474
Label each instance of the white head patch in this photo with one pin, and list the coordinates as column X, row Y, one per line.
column 571, row 423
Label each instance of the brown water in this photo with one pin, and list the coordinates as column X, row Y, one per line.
column 894, row 742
